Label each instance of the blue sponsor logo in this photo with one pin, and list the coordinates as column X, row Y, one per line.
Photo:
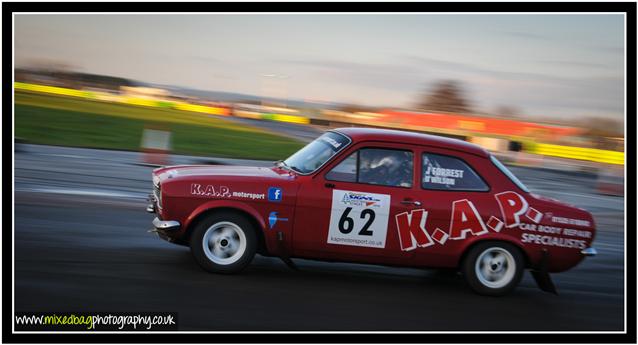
column 272, row 219
column 275, row 194
column 359, row 199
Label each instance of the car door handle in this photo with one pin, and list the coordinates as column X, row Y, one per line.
column 411, row 202
column 329, row 185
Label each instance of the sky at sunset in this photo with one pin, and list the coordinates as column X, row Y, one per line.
column 563, row 66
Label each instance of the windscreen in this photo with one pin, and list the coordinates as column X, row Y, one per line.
column 312, row 156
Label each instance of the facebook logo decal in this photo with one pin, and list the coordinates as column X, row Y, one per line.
column 274, row 194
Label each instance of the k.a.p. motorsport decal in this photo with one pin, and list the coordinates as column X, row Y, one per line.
column 466, row 221
column 359, row 219
column 210, row 190
column 223, row 192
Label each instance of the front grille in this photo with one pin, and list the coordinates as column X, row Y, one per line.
column 157, row 193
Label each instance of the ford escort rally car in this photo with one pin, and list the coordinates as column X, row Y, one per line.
column 374, row 196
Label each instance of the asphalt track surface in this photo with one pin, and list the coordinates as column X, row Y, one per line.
column 81, row 244
column 304, row 133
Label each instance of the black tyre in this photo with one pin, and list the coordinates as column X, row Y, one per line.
column 493, row 268
column 224, row 242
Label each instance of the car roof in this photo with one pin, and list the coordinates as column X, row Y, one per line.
column 358, row 134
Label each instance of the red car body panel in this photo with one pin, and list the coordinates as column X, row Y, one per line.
column 451, row 221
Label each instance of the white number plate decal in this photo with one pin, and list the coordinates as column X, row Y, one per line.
column 359, row 219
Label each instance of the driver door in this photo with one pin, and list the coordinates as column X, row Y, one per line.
column 347, row 211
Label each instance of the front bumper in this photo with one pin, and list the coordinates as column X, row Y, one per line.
column 164, row 228
column 167, row 230
column 166, row 225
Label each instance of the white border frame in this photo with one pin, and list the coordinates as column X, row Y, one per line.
column 310, row 13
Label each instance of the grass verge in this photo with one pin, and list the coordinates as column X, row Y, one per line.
column 65, row 121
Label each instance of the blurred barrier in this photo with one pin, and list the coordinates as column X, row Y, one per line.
column 480, row 125
column 271, row 116
column 490, row 144
column 290, row 118
column 441, row 124
column 108, row 97
column 138, row 101
column 247, row 114
column 340, row 118
column 527, row 160
column 53, row 90
column 580, row 153
column 201, row 109
column 319, row 122
column 494, row 144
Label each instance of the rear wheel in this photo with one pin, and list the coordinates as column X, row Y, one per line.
column 224, row 242
column 493, row 268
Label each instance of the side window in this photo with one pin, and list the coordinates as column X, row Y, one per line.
column 448, row 173
column 346, row 171
column 385, row 167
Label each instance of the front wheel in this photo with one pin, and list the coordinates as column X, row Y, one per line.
column 223, row 243
column 493, row 268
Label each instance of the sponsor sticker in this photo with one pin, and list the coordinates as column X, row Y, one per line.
column 275, row 194
column 223, row 192
column 553, row 241
column 210, row 190
column 359, row 219
column 533, row 215
column 495, row 224
column 411, row 228
column 440, row 236
column 554, row 230
column 360, row 200
column 466, row 222
column 331, row 141
column 444, row 176
column 253, row 196
column 570, row 221
column 273, row 218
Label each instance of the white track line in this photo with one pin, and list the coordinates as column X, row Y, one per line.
column 84, row 192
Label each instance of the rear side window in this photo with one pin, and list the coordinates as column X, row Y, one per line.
column 442, row 172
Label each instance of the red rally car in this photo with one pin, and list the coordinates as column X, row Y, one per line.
column 377, row 197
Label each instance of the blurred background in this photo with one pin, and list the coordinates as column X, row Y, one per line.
column 545, row 90
column 546, row 93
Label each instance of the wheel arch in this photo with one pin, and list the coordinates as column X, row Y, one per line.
column 249, row 213
column 470, row 246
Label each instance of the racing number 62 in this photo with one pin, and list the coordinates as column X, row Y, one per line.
column 346, row 224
